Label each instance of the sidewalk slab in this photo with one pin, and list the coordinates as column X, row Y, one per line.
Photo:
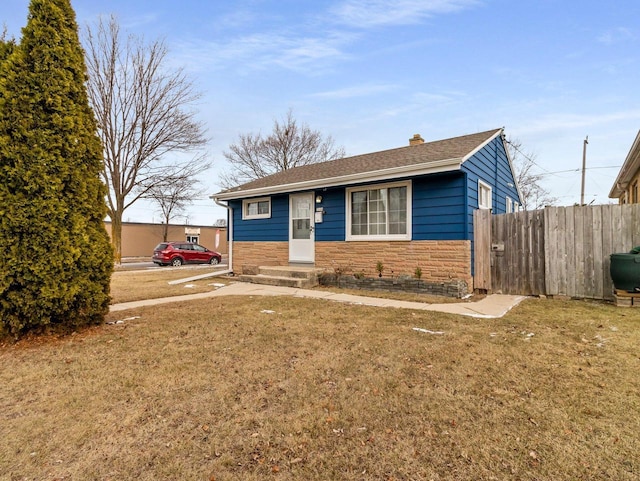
column 492, row 306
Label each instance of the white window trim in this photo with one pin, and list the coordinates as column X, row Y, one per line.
column 508, row 205
column 481, row 185
column 245, row 208
column 383, row 237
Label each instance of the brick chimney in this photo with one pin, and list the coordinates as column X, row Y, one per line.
column 416, row 140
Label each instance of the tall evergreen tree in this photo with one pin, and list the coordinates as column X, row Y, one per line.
column 57, row 260
column 6, row 47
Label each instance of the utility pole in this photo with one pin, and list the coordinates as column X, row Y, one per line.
column 584, row 168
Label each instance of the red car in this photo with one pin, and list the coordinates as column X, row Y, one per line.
column 178, row 253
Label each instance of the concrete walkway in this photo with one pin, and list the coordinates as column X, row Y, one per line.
column 493, row 306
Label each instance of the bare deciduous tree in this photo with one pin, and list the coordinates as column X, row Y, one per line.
column 176, row 191
column 534, row 195
column 143, row 114
column 291, row 144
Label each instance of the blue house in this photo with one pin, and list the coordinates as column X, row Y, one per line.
column 407, row 207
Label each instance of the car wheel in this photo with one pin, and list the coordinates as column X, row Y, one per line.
column 214, row 260
column 176, row 262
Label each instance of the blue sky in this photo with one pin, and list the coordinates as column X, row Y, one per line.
column 373, row 73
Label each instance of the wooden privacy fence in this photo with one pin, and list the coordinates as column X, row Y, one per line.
column 562, row 251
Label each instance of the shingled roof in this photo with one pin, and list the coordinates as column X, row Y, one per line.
column 628, row 170
column 429, row 157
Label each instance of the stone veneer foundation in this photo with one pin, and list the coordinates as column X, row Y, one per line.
column 248, row 255
column 455, row 288
column 440, row 261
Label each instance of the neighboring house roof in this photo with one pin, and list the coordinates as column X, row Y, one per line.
column 426, row 158
column 628, row 171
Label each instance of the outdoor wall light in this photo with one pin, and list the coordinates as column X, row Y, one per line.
column 318, row 199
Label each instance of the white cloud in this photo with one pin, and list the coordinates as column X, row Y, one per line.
column 304, row 47
column 616, row 35
column 238, row 18
column 550, row 123
column 432, row 99
column 355, row 91
column 137, row 22
column 374, row 13
column 262, row 50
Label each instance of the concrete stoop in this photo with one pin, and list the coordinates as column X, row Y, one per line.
column 285, row 276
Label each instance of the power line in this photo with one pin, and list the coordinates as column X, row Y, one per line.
column 526, row 156
column 588, row 168
column 547, row 172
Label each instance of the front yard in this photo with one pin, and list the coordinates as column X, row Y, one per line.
column 127, row 286
column 287, row 388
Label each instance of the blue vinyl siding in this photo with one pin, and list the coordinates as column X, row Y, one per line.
column 333, row 222
column 439, row 207
column 491, row 166
column 275, row 228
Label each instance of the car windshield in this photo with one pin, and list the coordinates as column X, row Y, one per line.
column 161, row 247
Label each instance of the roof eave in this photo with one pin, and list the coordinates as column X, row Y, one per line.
column 439, row 166
column 483, row 145
column 499, row 132
column 628, row 169
column 513, row 170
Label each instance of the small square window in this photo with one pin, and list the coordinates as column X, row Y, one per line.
column 256, row 208
column 484, row 195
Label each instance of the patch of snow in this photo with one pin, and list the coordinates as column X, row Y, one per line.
column 427, row 331
column 122, row 321
column 602, row 340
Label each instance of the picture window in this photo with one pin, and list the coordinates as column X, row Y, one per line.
column 381, row 212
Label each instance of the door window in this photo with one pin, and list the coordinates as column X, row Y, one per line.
column 301, row 218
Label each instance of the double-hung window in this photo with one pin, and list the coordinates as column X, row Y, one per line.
column 256, row 208
column 379, row 212
column 484, row 195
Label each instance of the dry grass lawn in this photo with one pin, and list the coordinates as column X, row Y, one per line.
column 127, row 286
column 220, row 390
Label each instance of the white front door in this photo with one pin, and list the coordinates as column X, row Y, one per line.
column 301, row 227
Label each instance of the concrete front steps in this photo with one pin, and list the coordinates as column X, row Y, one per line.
column 285, row 276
